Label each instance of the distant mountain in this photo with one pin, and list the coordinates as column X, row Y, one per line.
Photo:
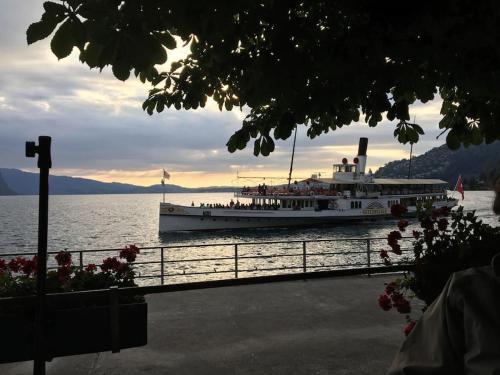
column 4, row 188
column 474, row 163
column 26, row 183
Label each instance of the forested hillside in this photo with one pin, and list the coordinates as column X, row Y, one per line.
column 475, row 163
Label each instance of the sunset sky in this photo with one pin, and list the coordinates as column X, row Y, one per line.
column 100, row 131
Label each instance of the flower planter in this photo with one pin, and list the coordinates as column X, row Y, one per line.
column 74, row 331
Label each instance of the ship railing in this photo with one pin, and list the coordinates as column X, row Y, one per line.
column 178, row 263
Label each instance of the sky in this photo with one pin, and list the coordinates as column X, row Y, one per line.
column 100, row 131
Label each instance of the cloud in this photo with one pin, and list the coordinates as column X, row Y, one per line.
column 99, row 129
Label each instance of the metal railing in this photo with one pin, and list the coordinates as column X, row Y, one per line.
column 174, row 263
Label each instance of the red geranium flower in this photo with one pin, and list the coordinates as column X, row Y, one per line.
column 3, row 265
column 16, row 264
column 398, row 210
column 394, row 236
column 63, row 258
column 64, row 273
column 390, row 288
column 384, row 302
column 29, row 266
column 409, row 327
column 427, row 223
column 384, row 254
column 129, row 253
column 416, row 234
column 402, row 224
column 400, row 303
column 111, row 264
column 442, row 224
column 91, row 267
column 396, row 249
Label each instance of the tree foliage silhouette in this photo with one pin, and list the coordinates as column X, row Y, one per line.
column 324, row 64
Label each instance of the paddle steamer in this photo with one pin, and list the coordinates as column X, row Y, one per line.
column 349, row 195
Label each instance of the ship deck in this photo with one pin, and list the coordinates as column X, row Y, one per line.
column 322, row 326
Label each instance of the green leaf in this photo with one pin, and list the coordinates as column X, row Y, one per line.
column 62, row 43
column 418, row 129
column 452, row 140
column 121, row 70
column 267, row 146
column 175, row 65
column 160, row 105
column 90, row 55
column 476, row 136
column 167, row 40
column 54, row 8
column 256, row 147
column 41, row 29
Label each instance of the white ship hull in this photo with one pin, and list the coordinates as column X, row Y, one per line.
column 350, row 195
column 175, row 218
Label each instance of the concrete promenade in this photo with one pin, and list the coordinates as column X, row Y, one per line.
column 321, row 326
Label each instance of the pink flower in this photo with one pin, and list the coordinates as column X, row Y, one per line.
column 384, row 302
column 63, row 258
column 409, row 327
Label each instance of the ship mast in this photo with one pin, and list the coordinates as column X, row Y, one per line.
column 293, row 153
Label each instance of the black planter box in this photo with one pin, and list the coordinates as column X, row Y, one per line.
column 73, row 331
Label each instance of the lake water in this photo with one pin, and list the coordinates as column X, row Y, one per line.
column 78, row 222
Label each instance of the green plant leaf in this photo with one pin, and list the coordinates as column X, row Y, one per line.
column 121, row 70
column 167, row 40
column 41, row 29
column 62, row 43
column 452, row 141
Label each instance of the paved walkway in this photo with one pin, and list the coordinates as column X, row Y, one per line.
column 322, row 326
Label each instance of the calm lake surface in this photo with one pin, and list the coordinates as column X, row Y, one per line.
column 78, row 222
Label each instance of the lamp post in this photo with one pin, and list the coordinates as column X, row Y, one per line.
column 44, row 164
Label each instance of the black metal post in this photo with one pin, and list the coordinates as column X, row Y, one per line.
column 44, row 164
column 304, row 257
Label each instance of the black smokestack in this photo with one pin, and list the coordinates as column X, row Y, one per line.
column 363, row 145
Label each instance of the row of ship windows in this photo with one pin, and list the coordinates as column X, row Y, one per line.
column 237, row 219
column 355, row 204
